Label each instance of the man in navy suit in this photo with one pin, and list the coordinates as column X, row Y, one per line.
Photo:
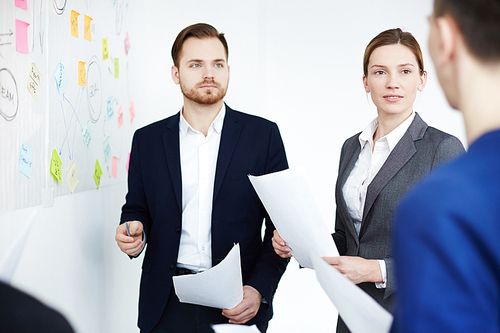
column 189, row 197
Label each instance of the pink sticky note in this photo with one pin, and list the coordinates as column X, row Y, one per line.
column 128, row 162
column 131, row 110
column 22, row 36
column 23, row 4
column 120, row 116
column 114, row 167
column 127, row 43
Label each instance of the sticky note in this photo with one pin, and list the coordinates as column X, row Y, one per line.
column 25, row 159
column 114, row 167
column 55, row 166
column 86, row 136
column 82, row 75
column 74, row 23
column 34, row 81
column 109, row 107
column 107, row 149
column 22, row 36
column 120, row 116
column 127, row 43
column 61, row 77
column 86, row 28
column 117, row 68
column 128, row 162
column 105, row 49
column 97, row 173
column 72, row 177
column 131, row 110
column 23, row 4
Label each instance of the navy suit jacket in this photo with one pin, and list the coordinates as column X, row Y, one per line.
column 248, row 145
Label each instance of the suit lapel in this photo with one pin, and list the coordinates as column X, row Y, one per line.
column 344, row 172
column 172, row 152
column 229, row 137
column 397, row 159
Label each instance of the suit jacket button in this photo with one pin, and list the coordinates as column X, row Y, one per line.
column 178, row 229
column 172, row 265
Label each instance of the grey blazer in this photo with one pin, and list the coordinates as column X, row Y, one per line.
column 420, row 150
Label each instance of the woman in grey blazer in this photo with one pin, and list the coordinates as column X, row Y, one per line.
column 379, row 165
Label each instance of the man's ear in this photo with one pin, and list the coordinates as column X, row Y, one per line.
column 175, row 74
column 448, row 35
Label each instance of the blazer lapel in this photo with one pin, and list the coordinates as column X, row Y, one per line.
column 229, row 137
column 344, row 172
column 397, row 159
column 172, row 151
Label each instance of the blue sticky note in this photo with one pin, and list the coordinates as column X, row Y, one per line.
column 25, row 159
column 61, row 77
column 107, row 149
column 86, row 136
column 109, row 106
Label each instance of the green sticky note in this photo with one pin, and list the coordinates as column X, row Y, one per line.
column 117, row 68
column 55, row 166
column 105, row 49
column 97, row 173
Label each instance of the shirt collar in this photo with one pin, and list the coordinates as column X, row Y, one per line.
column 392, row 138
column 217, row 123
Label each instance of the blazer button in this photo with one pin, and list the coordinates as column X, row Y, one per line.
column 178, row 229
column 172, row 265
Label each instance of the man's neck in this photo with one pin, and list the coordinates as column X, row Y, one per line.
column 479, row 86
column 200, row 116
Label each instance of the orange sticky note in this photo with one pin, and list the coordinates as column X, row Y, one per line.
column 131, row 110
column 86, row 31
column 22, row 36
column 82, row 75
column 114, row 167
column 74, row 23
column 105, row 49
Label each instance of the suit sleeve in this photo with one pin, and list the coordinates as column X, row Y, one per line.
column 136, row 207
column 270, row 267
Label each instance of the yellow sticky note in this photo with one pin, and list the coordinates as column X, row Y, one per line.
column 82, row 75
column 55, row 166
column 34, row 81
column 72, row 177
column 117, row 68
column 105, row 49
column 97, row 173
column 86, row 31
column 74, row 23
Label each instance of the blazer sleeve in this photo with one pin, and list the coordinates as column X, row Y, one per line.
column 270, row 267
column 447, row 149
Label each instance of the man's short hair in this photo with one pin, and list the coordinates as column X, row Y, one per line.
column 198, row 30
column 479, row 22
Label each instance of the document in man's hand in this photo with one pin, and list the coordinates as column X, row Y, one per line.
column 234, row 328
column 219, row 287
column 289, row 200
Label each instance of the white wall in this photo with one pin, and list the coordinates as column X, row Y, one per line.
column 295, row 62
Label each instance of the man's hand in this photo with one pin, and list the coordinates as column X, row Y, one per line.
column 280, row 246
column 132, row 244
column 357, row 269
column 247, row 309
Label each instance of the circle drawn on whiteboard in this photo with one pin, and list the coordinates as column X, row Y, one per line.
column 94, row 89
column 9, row 96
column 58, row 7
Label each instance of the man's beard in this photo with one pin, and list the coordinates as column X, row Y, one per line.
column 206, row 98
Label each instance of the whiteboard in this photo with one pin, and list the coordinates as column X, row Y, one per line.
column 83, row 107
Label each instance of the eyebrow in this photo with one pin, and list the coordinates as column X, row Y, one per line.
column 401, row 65
column 200, row 60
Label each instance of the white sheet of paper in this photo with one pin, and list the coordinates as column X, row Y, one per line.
column 10, row 259
column 219, row 287
column 289, row 200
column 234, row 328
column 360, row 311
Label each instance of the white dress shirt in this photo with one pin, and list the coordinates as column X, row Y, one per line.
column 367, row 166
column 198, row 163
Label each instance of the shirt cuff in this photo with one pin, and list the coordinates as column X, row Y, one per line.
column 383, row 270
